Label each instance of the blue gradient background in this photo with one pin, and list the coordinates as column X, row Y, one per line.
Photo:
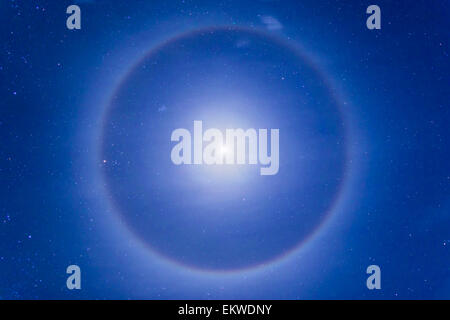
column 57, row 209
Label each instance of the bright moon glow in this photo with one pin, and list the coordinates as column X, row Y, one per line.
column 224, row 150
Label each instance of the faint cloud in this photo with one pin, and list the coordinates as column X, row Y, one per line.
column 271, row 23
column 242, row 43
column 162, row 108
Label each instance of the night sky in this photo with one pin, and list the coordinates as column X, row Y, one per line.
column 86, row 175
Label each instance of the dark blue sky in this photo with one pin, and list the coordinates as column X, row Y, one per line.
column 85, row 123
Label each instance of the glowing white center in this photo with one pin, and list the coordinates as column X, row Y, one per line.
column 224, row 150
